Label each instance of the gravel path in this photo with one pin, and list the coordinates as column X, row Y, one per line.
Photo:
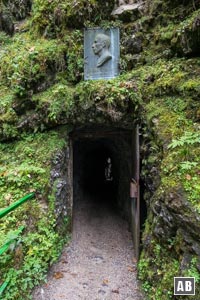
column 99, row 262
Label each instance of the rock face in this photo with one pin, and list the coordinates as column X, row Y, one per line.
column 175, row 216
column 42, row 87
column 61, row 187
column 11, row 11
column 188, row 42
column 6, row 22
column 128, row 11
column 19, row 8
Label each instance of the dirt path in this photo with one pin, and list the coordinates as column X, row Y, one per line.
column 99, row 262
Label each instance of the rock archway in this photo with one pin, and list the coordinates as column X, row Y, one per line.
column 104, row 161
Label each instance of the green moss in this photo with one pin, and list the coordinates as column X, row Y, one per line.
column 8, row 117
column 7, row 114
column 157, row 270
column 114, row 91
column 54, row 16
column 56, row 102
column 169, row 89
column 75, row 62
column 188, row 22
column 25, row 63
column 190, row 85
column 180, row 139
column 25, row 167
column 42, row 81
column 4, row 39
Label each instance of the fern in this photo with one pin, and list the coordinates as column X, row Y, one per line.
column 189, row 138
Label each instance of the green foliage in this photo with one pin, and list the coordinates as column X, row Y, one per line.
column 193, row 271
column 191, row 185
column 12, row 235
column 27, row 164
column 187, row 165
column 157, row 270
column 182, row 163
column 190, row 85
column 49, row 15
column 75, row 64
column 164, row 34
column 187, row 23
column 112, row 93
column 57, row 102
column 8, row 131
column 4, row 39
column 189, row 138
column 18, row 9
column 7, row 114
column 25, row 167
column 24, row 63
column 52, row 17
column 162, row 96
column 39, row 250
column 168, row 94
column 176, row 104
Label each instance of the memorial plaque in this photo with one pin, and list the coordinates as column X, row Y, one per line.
column 101, row 53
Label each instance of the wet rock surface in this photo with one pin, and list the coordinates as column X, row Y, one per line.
column 99, row 262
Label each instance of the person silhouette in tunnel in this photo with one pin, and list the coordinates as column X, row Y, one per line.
column 108, row 170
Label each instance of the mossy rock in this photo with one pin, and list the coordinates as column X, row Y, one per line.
column 186, row 40
column 50, row 18
column 19, row 8
column 6, row 22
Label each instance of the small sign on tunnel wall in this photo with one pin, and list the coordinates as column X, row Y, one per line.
column 101, row 53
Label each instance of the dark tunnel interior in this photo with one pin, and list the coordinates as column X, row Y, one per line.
column 102, row 169
column 96, row 172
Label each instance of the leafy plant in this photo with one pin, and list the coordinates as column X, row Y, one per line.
column 189, row 138
column 24, row 63
column 187, row 165
column 25, row 167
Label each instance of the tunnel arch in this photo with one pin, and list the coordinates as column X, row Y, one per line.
column 91, row 147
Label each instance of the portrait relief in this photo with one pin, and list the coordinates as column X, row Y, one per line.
column 100, row 48
column 101, row 53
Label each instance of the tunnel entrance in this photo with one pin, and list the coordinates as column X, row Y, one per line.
column 104, row 161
